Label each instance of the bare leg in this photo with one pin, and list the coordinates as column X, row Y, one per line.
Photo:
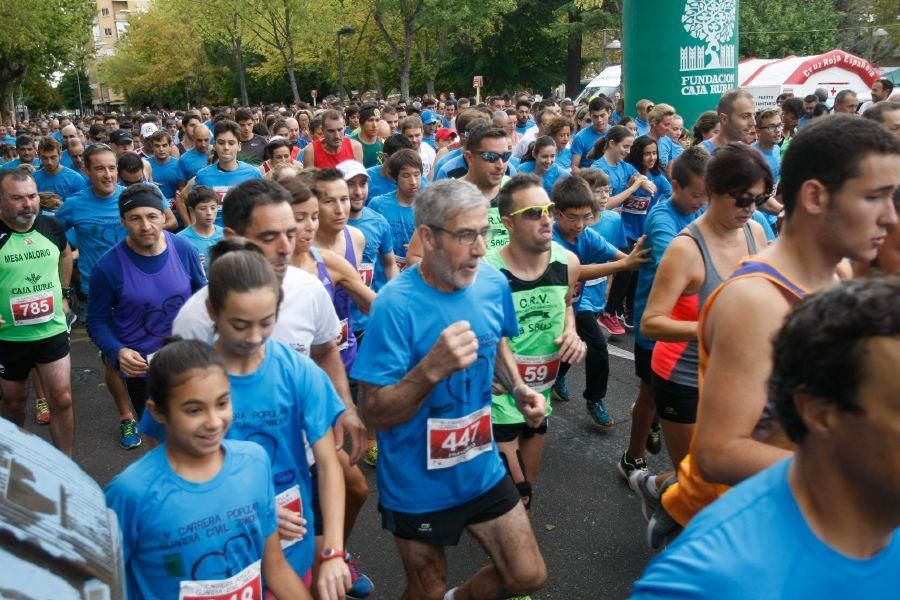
column 532, row 451
column 57, row 377
column 117, row 390
column 14, row 395
column 517, row 565
column 508, row 449
column 426, row 570
column 38, row 384
column 678, row 439
column 641, row 420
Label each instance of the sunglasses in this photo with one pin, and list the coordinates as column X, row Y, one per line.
column 493, row 157
column 534, row 213
column 745, row 201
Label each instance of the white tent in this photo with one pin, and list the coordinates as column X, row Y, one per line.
column 837, row 70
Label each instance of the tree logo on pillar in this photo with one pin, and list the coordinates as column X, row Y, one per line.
column 711, row 22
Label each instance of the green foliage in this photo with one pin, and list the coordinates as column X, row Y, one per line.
column 775, row 28
column 68, row 89
column 40, row 36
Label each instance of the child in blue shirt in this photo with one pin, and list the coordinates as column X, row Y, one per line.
column 203, row 207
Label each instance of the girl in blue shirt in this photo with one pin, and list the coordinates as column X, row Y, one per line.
column 610, row 153
column 644, row 157
column 197, row 514
column 541, row 160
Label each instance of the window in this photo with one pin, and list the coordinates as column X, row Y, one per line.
column 104, row 12
column 107, row 31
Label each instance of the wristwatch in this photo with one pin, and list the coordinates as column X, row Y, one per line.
column 67, row 292
column 329, row 553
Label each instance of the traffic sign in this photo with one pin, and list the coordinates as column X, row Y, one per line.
column 478, row 81
column 314, row 93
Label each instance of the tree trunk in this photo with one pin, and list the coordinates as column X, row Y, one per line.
column 573, row 55
column 289, row 63
column 239, row 63
column 378, row 88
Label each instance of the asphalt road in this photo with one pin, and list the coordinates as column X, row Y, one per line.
column 587, row 521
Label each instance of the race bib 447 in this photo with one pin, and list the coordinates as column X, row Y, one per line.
column 454, row 441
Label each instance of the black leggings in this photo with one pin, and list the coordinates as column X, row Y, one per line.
column 621, row 292
column 138, row 393
column 596, row 363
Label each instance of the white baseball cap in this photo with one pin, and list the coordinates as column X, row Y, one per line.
column 352, row 168
column 148, row 129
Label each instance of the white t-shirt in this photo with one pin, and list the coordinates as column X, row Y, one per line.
column 306, row 317
column 522, row 145
column 427, row 153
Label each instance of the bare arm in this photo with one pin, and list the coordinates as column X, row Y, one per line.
column 389, row 265
column 65, row 272
column 171, row 222
column 622, row 262
column 309, row 156
column 633, row 186
column 388, row 406
column 530, row 403
column 181, row 201
column 345, row 275
column 278, row 574
column 734, row 385
column 414, row 250
column 334, row 577
column 677, row 273
column 576, row 160
column 357, row 150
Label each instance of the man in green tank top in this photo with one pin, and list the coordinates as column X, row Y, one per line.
column 367, row 136
column 542, row 276
column 487, row 152
column 35, row 269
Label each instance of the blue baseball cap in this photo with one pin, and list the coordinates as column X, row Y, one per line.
column 429, row 117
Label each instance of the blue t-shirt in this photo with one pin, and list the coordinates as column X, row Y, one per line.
column 564, row 159
column 444, row 455
column 754, row 542
column 64, row 184
column 379, row 184
column 97, row 226
column 582, row 143
column 222, row 181
column 609, row 225
column 708, row 145
column 202, row 244
column 379, row 241
column 451, row 168
column 166, row 175
column 635, row 208
column 286, row 400
column 643, row 127
column 664, row 222
column 619, row 174
column 64, row 159
column 763, row 219
column 443, row 160
column 668, row 150
column 176, row 530
column 548, row 179
column 16, row 162
column 190, row 163
column 401, row 220
column 521, row 129
column 591, row 248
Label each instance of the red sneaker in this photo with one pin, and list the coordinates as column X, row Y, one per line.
column 611, row 324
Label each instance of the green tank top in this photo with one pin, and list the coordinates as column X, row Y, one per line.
column 372, row 153
column 541, row 312
column 30, row 290
column 497, row 234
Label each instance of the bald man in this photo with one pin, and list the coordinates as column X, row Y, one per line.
column 69, row 132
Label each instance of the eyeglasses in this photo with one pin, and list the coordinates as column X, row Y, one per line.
column 586, row 219
column 534, row 213
column 603, row 192
column 745, row 201
column 466, row 237
column 493, row 157
column 772, row 127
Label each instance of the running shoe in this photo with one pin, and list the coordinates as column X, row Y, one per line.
column 628, row 465
column 654, row 440
column 71, row 317
column 662, row 527
column 560, row 390
column 599, row 416
column 611, row 324
column 640, row 483
column 42, row 412
column 627, row 319
column 129, row 436
column 361, row 586
column 371, row 456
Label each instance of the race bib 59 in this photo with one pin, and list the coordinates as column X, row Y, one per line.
column 538, row 372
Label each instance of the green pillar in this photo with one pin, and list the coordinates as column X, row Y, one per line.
column 681, row 52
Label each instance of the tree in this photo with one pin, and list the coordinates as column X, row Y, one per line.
column 774, row 28
column 710, row 21
column 40, row 37
column 68, row 89
column 860, row 19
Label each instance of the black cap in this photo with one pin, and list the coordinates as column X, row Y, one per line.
column 120, row 136
column 140, row 195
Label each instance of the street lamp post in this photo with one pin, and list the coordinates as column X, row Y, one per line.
column 341, row 33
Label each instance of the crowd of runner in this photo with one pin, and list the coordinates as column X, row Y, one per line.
column 280, row 293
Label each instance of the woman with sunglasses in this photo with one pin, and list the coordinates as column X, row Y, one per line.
column 695, row 263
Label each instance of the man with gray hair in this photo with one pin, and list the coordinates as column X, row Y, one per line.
column 426, row 378
column 845, row 102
